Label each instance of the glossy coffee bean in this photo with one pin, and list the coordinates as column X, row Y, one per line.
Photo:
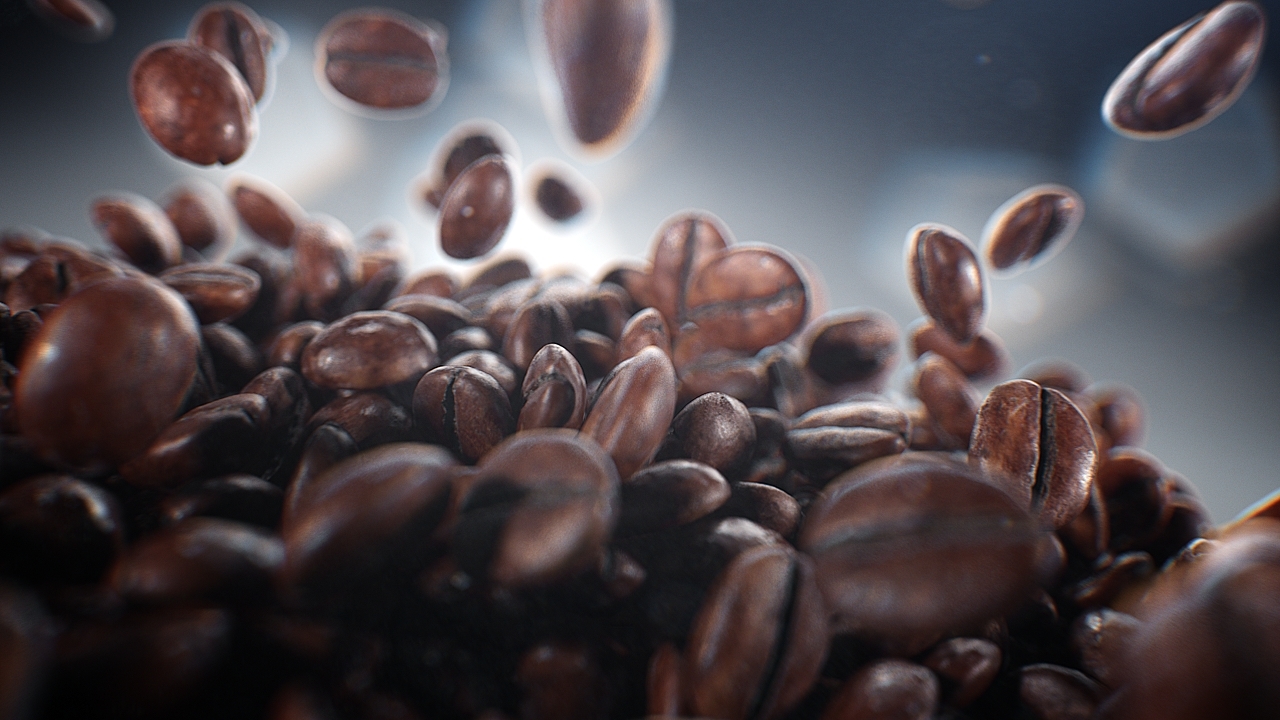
column 886, row 688
column 983, row 358
column 368, row 350
column 215, row 292
column 139, row 228
column 193, row 103
column 1101, row 638
column 236, row 32
column 833, row 438
column 493, row 365
column 462, row 146
column 608, row 60
column 1031, row 227
column 715, row 429
column 683, row 244
column 853, row 346
column 287, row 346
column 535, row 325
column 966, row 666
column 910, row 548
column 759, row 639
column 949, row 397
column 81, row 20
column 369, row 418
column 224, row 436
column 242, row 498
column 266, row 210
column 383, row 59
column 1037, row 445
column 463, row 409
column 477, row 208
column 59, row 270
column 324, row 266
column 946, row 279
column 540, row 509
column 441, row 315
column 1189, row 75
column 56, row 529
column 108, row 371
column 326, row 446
column 765, row 505
column 668, row 494
column 1053, row 692
column 555, row 391
column 748, row 298
column 203, row 217
column 633, row 409
column 647, row 327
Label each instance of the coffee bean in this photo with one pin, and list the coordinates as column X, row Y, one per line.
column 682, row 245
column 242, row 498
column 715, row 429
column 500, row 272
column 555, row 391
column 1058, row 374
column 440, row 283
column 383, row 59
column 56, row 529
column 747, row 298
column 886, row 688
column 631, row 412
column 646, row 328
column 1189, row 75
column 608, row 61
column 1031, row 227
column 440, row 314
column 477, row 208
column 832, row 439
column 535, row 325
column 237, row 33
column 59, row 270
column 369, row 418
column 1120, row 413
column 193, row 103
column 596, row 353
column 236, row 360
column 266, row 210
column 220, row 437
column 983, row 358
column 967, row 666
column 946, row 279
column 493, row 365
column 324, row 266
column 1053, row 692
column 463, row 409
column 948, row 396
column 203, row 217
column 858, row 346
column 326, row 446
column 664, row 692
column 1101, row 638
column 287, row 346
column 556, row 199
column 368, row 350
column 1037, row 445
column 216, row 293
column 668, row 494
column 140, row 229
column 86, row 21
column 765, row 505
column 460, row 147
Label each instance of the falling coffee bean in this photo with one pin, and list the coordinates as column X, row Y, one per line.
column 85, row 21
column 476, row 210
column 236, row 32
column 140, row 229
column 1031, row 227
column 203, row 217
column 383, row 59
column 946, row 279
column 266, row 209
column 557, row 199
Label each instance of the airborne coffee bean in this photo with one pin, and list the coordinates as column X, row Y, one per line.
column 1031, row 227
column 140, row 229
column 383, row 59
column 266, row 210
column 947, row 280
column 203, row 217
column 238, row 34
column 477, row 208
column 81, row 20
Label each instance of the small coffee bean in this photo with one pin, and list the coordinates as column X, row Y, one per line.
column 193, row 103
column 368, row 350
column 440, row 283
column 460, row 147
column 669, row 494
column 215, row 292
column 983, row 358
column 476, row 210
column 463, row 340
column 682, row 245
column 535, row 325
column 647, row 327
column 853, row 346
column 1189, row 75
column 1101, row 638
column 286, row 348
column 829, row 440
column 1121, row 415
column 715, row 429
column 1031, row 227
column 324, row 266
column 1053, row 692
column 967, row 666
column 54, row 528
column 463, row 409
column 203, row 217
column 747, row 298
column 633, row 409
column 556, row 199
column 59, row 270
column 493, row 365
column 140, row 229
column 889, row 688
column 225, row 436
column 242, row 498
column 947, row 280
column 949, row 397
column 765, row 505
column 370, row 419
column 266, row 210
column 555, row 391
column 383, row 59
column 608, row 60
column 1037, row 445
column 86, row 21
column 235, row 32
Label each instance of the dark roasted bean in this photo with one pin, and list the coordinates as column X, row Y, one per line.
column 947, row 280
column 668, row 494
column 217, row 293
column 441, row 315
column 57, row 529
column 643, row 329
column 1120, row 413
column 242, row 498
column 27, row 637
column 193, row 103
column 477, row 208
column 237, row 33
column 1112, row 580
column 81, row 20
column 886, row 689
column 55, row 274
column 464, row 340
column 967, row 666
column 499, row 272
column 440, row 283
column 324, row 266
column 266, row 210
column 663, row 689
column 557, row 199
column 632, row 410
column 203, row 217
column 1058, row 374
column 108, row 371
column 1031, row 227
column 683, row 244
column 236, row 360
column 1134, row 487
column 327, row 446
column 985, row 357
column 493, row 365
column 765, row 505
column 560, row 682
column 555, row 391
column 854, row 346
column 1101, row 638
column 462, row 146
column 1053, row 692
column 140, row 229
column 536, row 324
column 1189, row 75
column 463, row 409
column 949, row 397
column 368, row 350
column 287, row 347
column 747, row 298
column 217, row 438
column 383, row 59
column 831, row 439
column 596, row 353
column 715, row 429
column 370, row 419
column 743, row 378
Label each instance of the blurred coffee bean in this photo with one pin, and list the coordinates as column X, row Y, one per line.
column 215, row 292
column 560, row 681
column 910, row 548
column 242, row 498
column 1120, row 412
column 747, row 298
column 221, row 437
column 1105, row 585
column 87, row 21
column 1135, row 489
column 139, row 228
column 1189, row 75
column 193, row 103
column 370, row 419
column 715, row 429
column 465, row 339
column 460, row 147
column 1031, row 227
column 56, row 529
column 277, row 301
column 368, row 350
column 266, row 210
column 383, row 59
column 645, row 328
column 237, row 33
column 949, row 397
column 107, row 373
column 324, row 265
column 535, row 325
column 477, row 208
column 765, row 505
column 831, row 439
column 668, row 494
column 463, row 409
column 947, row 280
column 596, row 353
column 493, row 365
column 1101, row 638
column 287, row 347
column 23, row 327
column 886, row 688
column 1053, row 692
column 1058, row 374
column 632, row 410
column 682, row 245
column 441, row 315
column 555, row 391
column 26, row 648
column 236, row 360
column 203, row 217
column 664, row 692
column 966, row 666
column 608, row 61
column 557, row 199
column 200, row 560
column 745, row 379
column 325, row 447
column 58, row 271
column 853, row 346
column 1037, row 446
column 500, row 272
column 759, row 640
column 985, row 357
column 540, row 510
column 440, row 283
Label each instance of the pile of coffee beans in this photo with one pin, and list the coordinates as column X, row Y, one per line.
column 310, row 483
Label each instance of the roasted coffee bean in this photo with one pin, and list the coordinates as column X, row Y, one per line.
column 1058, row 374
column 266, row 210
column 140, row 229
column 910, row 548
column 462, row 146
column 493, row 365
column 668, row 494
column 500, row 272
column 1189, row 75
column 949, row 397
column 645, row 328
column 324, row 266
column 193, row 103
column 715, row 429
column 463, row 409
column 1110, row 581
column 203, row 217
column 217, row 293
column 1031, row 227
column 108, row 371
column 540, row 509
column 325, row 447
column 440, row 314
column 743, row 378
column 947, row 280
column 56, row 273
column 765, row 505
column 1100, row 637
column 383, row 59
column 663, row 688
column 1053, row 692
column 760, row 638
column 886, row 689
column 608, row 60
column 368, row 350
column 831, row 439
column 560, row 681
column 967, row 666
column 200, row 560
column 747, row 298
column 1089, row 534
column 56, row 529
column 277, row 302
column 477, row 208
column 236, row 360
column 440, row 283
column 81, row 20
column 557, row 199
column 237, row 33
column 535, row 325
column 1120, row 413
column 596, row 353
column 464, row 340
column 555, row 391
column 287, row 347
column 1036, row 444
column 217, row 438
column 370, row 419
column 242, row 498
column 985, row 357
column 27, row 638
column 373, row 511
column 286, row 396
column 632, row 410
column 853, row 346
column 1135, row 489
column 683, row 244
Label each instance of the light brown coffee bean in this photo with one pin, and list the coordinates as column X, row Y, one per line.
column 324, row 266
column 477, row 208
column 946, row 279
column 203, row 217
column 383, row 59
column 682, row 245
column 888, row 688
column 140, row 229
column 266, row 210
column 215, row 292
column 948, row 396
column 235, row 32
column 1031, row 227
column 633, row 409
column 647, row 327
column 555, row 391
column 747, row 298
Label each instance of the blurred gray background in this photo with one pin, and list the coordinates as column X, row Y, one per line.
column 828, row 127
